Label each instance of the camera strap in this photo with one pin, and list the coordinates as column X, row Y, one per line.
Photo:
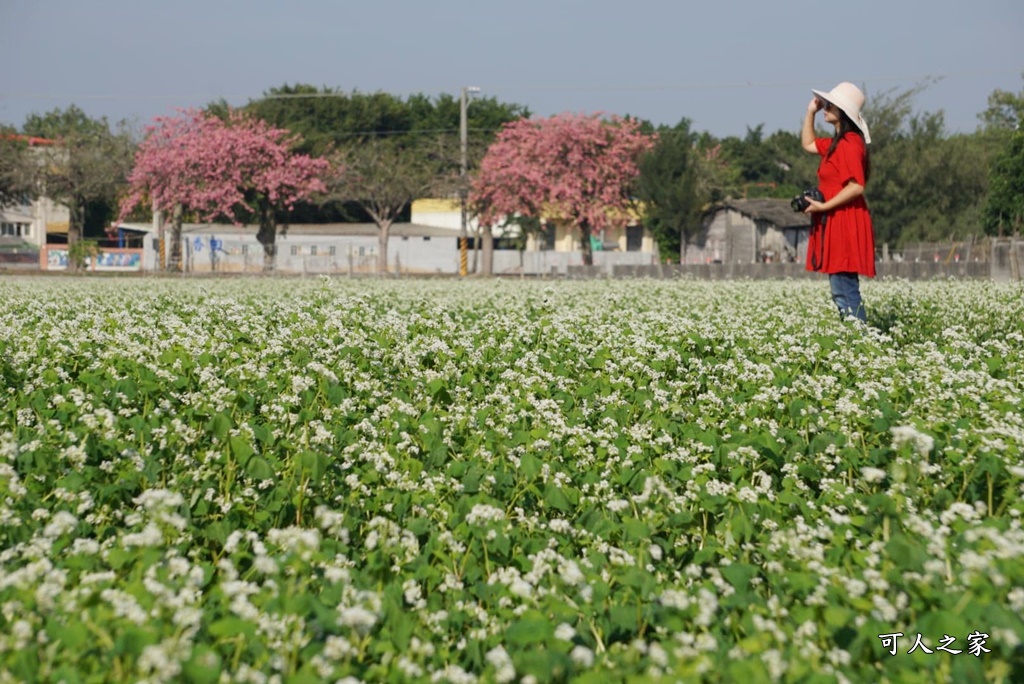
column 818, row 259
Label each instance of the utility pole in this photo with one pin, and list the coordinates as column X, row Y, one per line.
column 463, row 189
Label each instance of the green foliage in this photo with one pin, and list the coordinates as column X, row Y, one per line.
column 329, row 118
column 668, row 191
column 64, row 124
column 86, row 170
column 81, row 251
column 418, row 481
column 1004, row 212
column 389, row 141
column 1005, row 111
column 17, row 169
column 924, row 185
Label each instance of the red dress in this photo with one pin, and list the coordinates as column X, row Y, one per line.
column 847, row 243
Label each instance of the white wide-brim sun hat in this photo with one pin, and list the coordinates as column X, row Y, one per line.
column 850, row 99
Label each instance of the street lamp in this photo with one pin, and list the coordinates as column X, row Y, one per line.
column 463, row 190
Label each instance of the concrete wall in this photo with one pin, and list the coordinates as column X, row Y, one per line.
column 310, row 254
column 1007, row 259
column 507, row 262
column 908, row 270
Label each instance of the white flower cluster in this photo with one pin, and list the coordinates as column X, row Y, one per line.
column 921, row 442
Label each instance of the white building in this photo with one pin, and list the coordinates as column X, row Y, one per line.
column 554, row 250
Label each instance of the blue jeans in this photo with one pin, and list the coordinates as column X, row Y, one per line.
column 846, row 295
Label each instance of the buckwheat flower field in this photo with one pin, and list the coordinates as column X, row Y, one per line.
column 509, row 481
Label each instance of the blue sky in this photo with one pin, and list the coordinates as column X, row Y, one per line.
column 725, row 64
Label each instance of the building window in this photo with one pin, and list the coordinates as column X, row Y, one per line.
column 547, row 236
column 15, row 229
column 312, row 250
column 332, row 250
column 634, row 238
column 295, row 250
column 426, row 238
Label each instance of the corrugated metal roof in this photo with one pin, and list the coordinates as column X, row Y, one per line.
column 776, row 211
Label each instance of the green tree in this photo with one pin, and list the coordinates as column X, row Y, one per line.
column 924, row 184
column 334, row 122
column 383, row 176
column 667, row 189
column 717, row 178
column 1005, row 110
column 17, row 168
column 328, row 117
column 1004, row 210
column 86, row 169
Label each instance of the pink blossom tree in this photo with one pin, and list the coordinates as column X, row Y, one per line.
column 575, row 167
column 221, row 168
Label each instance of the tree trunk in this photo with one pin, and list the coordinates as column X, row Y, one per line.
column 76, row 227
column 174, row 253
column 382, row 257
column 476, row 250
column 585, row 246
column 487, row 258
column 267, row 237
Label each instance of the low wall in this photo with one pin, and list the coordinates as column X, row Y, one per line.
column 55, row 258
column 550, row 262
column 911, row 271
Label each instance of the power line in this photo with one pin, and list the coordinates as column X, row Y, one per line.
column 649, row 87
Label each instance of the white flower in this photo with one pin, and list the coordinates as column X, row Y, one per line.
column 357, row 617
column 499, row 658
column 565, row 632
column 481, row 514
column 908, row 434
column 582, row 656
column 617, row 505
column 61, row 523
column 674, row 598
column 872, row 474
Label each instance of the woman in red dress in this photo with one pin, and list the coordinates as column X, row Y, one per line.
column 842, row 241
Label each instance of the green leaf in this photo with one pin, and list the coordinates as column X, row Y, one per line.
column 72, row 635
column 531, row 628
column 739, row 574
column 219, row 425
column 529, row 466
column 837, row 616
column 204, row 666
column 258, row 469
column 312, row 465
column 241, row 449
column 556, row 498
column 904, row 553
column 230, row 627
column 635, row 530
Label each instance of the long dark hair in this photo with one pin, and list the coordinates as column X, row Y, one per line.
column 846, row 125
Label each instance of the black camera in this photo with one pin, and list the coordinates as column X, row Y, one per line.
column 800, row 203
